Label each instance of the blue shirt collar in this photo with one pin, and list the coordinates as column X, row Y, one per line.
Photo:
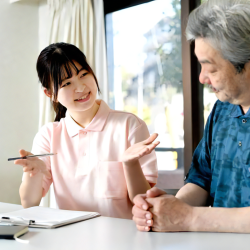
column 236, row 111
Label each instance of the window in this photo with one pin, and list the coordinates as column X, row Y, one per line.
column 209, row 99
column 144, row 50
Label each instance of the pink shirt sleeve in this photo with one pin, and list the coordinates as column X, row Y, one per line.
column 148, row 162
column 41, row 145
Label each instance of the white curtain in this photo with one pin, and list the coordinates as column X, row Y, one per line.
column 100, row 59
column 79, row 22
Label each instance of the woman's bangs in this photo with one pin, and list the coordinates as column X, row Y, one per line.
column 61, row 69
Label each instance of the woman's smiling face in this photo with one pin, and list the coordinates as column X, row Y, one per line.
column 78, row 93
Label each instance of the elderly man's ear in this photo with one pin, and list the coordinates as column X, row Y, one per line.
column 247, row 67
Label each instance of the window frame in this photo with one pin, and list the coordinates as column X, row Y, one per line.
column 192, row 89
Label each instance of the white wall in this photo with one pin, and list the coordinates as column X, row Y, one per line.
column 18, row 90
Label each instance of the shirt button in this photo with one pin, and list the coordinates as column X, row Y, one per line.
column 244, row 121
column 240, row 143
column 84, row 154
column 85, row 133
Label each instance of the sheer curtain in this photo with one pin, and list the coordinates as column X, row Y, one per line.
column 79, row 22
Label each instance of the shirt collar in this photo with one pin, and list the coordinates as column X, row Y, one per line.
column 97, row 124
column 236, row 111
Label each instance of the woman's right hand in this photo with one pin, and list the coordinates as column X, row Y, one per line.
column 32, row 165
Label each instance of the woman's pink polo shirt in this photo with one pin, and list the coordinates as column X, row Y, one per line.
column 87, row 173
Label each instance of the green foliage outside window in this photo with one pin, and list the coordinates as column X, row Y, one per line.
column 171, row 61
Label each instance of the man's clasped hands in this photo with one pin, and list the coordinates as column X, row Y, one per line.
column 160, row 212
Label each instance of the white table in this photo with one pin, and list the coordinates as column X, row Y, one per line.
column 105, row 233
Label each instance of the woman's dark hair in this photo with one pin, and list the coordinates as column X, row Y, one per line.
column 54, row 64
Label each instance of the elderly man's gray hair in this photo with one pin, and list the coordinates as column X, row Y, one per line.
column 225, row 24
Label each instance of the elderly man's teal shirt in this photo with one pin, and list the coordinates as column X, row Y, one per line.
column 221, row 162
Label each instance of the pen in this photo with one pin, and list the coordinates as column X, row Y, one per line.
column 29, row 156
column 16, row 221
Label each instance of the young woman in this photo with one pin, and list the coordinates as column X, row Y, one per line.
column 104, row 157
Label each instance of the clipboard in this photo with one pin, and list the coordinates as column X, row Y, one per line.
column 44, row 217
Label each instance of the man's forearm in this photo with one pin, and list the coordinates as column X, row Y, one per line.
column 212, row 219
column 193, row 195
column 209, row 219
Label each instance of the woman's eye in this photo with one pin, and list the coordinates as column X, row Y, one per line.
column 66, row 84
column 84, row 74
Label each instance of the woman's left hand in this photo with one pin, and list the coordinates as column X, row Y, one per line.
column 140, row 149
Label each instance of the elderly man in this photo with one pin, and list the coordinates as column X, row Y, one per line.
column 216, row 196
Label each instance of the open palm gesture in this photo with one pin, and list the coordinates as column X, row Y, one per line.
column 140, row 149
